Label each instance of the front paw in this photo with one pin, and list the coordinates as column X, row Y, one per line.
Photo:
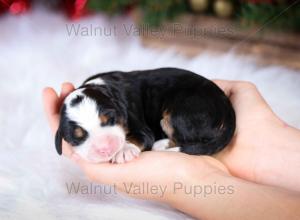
column 126, row 154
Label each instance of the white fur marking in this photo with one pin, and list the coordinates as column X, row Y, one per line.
column 160, row 145
column 97, row 81
column 163, row 145
column 86, row 115
column 72, row 96
column 174, row 149
column 128, row 153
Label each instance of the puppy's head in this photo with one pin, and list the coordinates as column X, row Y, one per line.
column 93, row 123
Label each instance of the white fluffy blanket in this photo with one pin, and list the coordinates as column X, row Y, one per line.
column 36, row 51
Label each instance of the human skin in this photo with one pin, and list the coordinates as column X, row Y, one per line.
column 264, row 149
column 257, row 153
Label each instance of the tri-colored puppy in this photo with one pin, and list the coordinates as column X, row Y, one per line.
column 114, row 116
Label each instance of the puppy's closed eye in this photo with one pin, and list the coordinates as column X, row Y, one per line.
column 78, row 132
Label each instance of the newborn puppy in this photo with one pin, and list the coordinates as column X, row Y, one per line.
column 114, row 116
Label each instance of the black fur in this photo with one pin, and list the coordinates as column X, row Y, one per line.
column 66, row 131
column 77, row 100
column 202, row 116
column 58, row 142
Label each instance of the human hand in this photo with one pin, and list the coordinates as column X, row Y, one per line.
column 52, row 103
column 166, row 168
column 154, row 168
column 256, row 151
column 264, row 148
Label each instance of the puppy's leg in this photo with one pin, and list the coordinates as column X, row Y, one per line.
column 139, row 138
column 161, row 145
column 165, row 145
column 135, row 143
column 127, row 153
column 174, row 149
column 139, row 133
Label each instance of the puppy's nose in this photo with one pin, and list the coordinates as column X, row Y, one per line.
column 106, row 146
column 104, row 151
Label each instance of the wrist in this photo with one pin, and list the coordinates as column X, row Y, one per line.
column 197, row 186
column 200, row 195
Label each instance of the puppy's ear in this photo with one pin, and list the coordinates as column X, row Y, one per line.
column 58, row 141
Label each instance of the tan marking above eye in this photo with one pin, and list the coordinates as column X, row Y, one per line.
column 103, row 119
column 78, row 132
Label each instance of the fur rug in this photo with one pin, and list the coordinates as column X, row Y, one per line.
column 36, row 50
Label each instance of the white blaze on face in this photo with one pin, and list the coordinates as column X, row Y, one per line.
column 101, row 139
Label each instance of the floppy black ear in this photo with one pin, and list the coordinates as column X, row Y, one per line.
column 58, row 141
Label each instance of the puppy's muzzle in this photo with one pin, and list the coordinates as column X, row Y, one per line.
column 104, row 147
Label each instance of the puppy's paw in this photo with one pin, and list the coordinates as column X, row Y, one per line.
column 164, row 145
column 128, row 153
column 161, row 145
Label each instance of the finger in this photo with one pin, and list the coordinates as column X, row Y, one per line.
column 67, row 149
column 95, row 172
column 106, row 173
column 225, row 85
column 51, row 107
column 66, row 88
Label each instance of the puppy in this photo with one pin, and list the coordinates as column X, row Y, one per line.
column 114, row 116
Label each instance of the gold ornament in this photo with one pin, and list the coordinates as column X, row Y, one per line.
column 199, row 5
column 223, row 8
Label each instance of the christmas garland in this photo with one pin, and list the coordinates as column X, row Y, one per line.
column 281, row 14
column 276, row 15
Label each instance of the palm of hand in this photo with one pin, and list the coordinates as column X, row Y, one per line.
column 256, row 125
column 159, row 169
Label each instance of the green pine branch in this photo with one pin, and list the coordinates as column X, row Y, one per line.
column 274, row 16
column 154, row 12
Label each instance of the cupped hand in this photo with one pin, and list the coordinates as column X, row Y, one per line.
column 264, row 148
column 153, row 168
column 256, row 152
